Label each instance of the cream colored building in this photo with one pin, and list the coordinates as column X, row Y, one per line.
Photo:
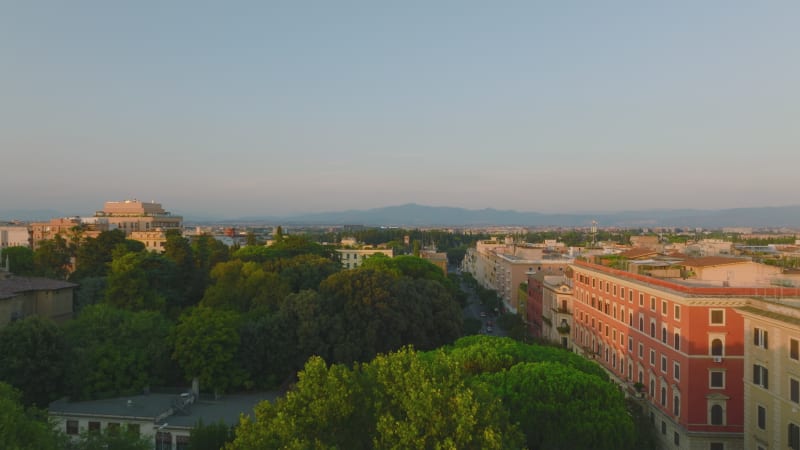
column 772, row 374
column 353, row 258
column 557, row 298
column 134, row 215
column 14, row 236
column 504, row 266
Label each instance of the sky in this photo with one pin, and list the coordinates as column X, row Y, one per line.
column 278, row 108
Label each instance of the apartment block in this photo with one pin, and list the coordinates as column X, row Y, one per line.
column 772, row 374
column 505, row 266
column 681, row 341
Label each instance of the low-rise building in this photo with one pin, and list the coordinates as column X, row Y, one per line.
column 21, row 297
column 165, row 419
column 352, row 258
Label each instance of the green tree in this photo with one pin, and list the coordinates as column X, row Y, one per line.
column 396, row 401
column 142, row 281
column 22, row 429
column 114, row 351
column 242, row 286
column 33, row 359
column 19, row 259
column 206, row 343
column 213, row 436
column 94, row 255
column 52, row 258
column 559, row 407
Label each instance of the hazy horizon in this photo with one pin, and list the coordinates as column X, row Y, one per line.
column 283, row 108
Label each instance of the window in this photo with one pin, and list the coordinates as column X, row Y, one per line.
column 181, row 442
column 760, row 376
column 716, row 415
column 652, row 357
column 641, row 350
column 794, row 352
column 716, row 347
column 664, row 307
column 630, row 296
column 717, row 316
column 663, row 427
column 163, row 441
column 641, row 299
column 760, row 338
column 630, row 318
column 794, row 437
column 664, row 334
column 615, row 290
column 112, row 427
column 72, row 427
column 677, row 312
column 676, row 405
column 630, row 344
column 663, row 396
column 716, row 446
column 676, row 370
column 622, row 293
column 794, row 390
column 641, row 323
column 716, row 379
column 622, row 339
column 652, row 329
column 663, row 363
column 652, row 303
column 677, row 342
column 676, row 438
column 94, row 426
column 761, row 414
column 133, row 428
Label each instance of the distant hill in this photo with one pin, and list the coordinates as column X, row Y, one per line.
column 420, row 215
column 28, row 215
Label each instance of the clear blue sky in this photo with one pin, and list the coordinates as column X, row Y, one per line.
column 234, row 108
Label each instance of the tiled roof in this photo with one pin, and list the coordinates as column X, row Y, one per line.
column 709, row 261
column 13, row 286
column 638, row 253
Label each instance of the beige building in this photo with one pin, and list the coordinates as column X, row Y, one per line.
column 772, row 374
column 134, row 215
column 14, row 236
column 153, row 241
column 504, row 266
column 352, row 258
column 21, row 297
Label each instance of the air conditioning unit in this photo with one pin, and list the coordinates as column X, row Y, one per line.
column 718, row 359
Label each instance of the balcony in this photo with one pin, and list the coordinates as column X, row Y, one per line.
column 563, row 329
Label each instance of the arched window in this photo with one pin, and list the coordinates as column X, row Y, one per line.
column 677, row 341
column 716, row 415
column 676, row 405
column 716, row 347
column 652, row 329
column 641, row 324
column 664, row 335
column 663, row 396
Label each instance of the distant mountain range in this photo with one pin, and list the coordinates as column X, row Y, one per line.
column 414, row 215
column 420, row 215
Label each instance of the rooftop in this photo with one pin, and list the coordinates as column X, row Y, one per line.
column 14, row 285
column 160, row 407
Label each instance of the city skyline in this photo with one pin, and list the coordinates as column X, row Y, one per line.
column 282, row 109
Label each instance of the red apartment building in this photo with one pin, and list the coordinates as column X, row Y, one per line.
column 683, row 342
